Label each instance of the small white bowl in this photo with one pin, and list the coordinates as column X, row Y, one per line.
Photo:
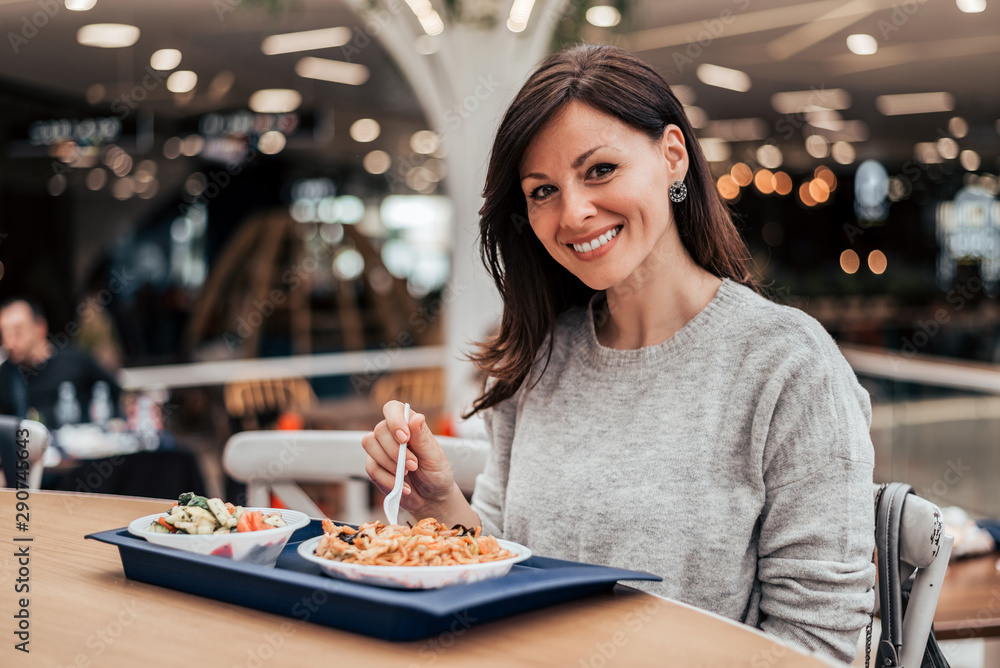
column 253, row 547
column 415, row 577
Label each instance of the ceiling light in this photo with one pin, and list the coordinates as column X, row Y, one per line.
column 182, row 81
column 817, row 146
column 308, row 40
column 165, row 59
column 825, row 119
column 80, row 5
column 843, row 152
column 275, row 101
column 723, row 77
column 429, row 19
column 172, row 148
column 365, row 130
column 947, row 148
column 914, row 103
column 958, row 127
column 520, row 11
column 377, row 162
column 424, row 142
column 855, row 130
column 220, row 85
column 769, row 155
column 970, row 160
column 107, row 35
column 95, row 93
column 332, row 70
column 603, row 16
column 971, row 6
column 817, row 99
column 271, row 142
column 96, row 178
column 862, row 44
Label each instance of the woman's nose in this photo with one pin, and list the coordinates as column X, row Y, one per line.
column 577, row 207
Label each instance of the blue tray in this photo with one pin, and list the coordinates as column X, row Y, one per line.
column 296, row 588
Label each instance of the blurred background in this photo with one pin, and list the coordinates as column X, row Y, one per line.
column 262, row 214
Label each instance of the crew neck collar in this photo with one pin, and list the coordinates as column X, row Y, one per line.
column 728, row 295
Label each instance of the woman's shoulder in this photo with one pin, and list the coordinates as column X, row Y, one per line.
column 781, row 330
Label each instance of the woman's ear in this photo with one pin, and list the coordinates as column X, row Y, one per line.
column 674, row 152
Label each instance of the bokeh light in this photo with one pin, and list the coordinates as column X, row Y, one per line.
column 763, row 180
column 728, row 188
column 850, row 262
column 877, row 262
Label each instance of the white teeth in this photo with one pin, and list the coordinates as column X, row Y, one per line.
column 588, row 246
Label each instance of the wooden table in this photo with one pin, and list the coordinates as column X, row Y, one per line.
column 969, row 606
column 83, row 612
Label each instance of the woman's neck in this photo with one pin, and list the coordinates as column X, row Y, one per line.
column 655, row 304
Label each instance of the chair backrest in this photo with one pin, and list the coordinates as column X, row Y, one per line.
column 276, row 460
column 35, row 439
column 910, row 540
column 421, row 387
column 248, row 399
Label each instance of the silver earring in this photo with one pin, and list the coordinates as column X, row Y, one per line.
column 678, row 192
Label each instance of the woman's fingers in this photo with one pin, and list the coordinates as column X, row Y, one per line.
column 393, row 412
column 382, row 478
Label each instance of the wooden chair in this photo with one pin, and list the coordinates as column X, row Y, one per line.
column 253, row 403
column 419, row 387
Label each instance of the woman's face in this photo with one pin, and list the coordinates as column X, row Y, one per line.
column 597, row 193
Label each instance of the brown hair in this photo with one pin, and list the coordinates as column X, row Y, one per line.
column 535, row 288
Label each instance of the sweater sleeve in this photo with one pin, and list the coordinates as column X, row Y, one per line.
column 491, row 485
column 817, row 525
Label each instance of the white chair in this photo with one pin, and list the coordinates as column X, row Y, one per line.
column 276, row 460
column 911, row 542
column 36, row 442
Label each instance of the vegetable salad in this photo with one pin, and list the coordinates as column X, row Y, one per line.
column 193, row 514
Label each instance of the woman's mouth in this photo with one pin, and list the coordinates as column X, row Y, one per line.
column 597, row 242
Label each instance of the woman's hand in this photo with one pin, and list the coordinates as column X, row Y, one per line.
column 429, row 481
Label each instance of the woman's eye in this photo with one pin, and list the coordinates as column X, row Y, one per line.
column 541, row 192
column 602, row 170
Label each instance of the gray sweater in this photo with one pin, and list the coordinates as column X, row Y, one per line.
column 734, row 460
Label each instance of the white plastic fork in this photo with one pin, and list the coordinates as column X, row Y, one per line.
column 391, row 504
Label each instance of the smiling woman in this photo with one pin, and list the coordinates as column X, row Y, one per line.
column 646, row 407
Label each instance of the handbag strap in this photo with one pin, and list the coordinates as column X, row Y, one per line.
column 871, row 615
column 888, row 521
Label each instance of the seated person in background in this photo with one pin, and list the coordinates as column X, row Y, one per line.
column 55, row 385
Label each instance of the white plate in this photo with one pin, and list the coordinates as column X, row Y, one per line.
column 255, row 547
column 415, row 577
